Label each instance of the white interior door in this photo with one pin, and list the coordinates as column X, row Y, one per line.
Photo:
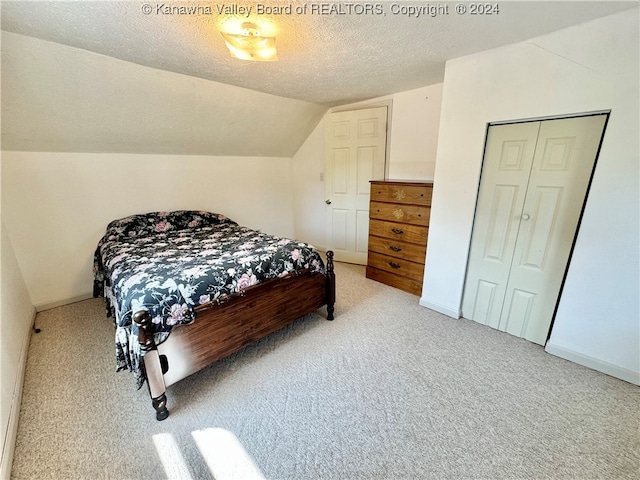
column 355, row 146
column 528, row 235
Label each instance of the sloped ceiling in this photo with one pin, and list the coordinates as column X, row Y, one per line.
column 149, row 77
column 62, row 99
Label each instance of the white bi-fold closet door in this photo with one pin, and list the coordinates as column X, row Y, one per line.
column 533, row 187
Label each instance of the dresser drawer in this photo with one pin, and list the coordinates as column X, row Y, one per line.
column 406, row 233
column 412, row 270
column 401, row 193
column 413, row 214
column 394, row 248
column 403, row 283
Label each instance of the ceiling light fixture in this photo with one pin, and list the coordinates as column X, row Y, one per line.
column 250, row 44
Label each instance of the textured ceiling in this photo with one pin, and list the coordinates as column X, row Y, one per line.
column 334, row 56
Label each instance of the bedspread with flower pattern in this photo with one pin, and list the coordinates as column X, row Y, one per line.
column 168, row 263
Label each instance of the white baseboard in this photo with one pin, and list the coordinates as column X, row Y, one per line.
column 450, row 312
column 9, row 445
column 41, row 307
column 595, row 364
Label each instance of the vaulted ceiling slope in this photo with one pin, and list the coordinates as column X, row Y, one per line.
column 62, row 99
column 145, row 77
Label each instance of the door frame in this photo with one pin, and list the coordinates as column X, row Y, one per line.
column 607, row 114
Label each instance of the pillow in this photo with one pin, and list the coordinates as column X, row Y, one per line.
column 162, row 222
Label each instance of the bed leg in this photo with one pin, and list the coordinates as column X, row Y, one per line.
column 151, row 364
column 160, row 404
column 331, row 285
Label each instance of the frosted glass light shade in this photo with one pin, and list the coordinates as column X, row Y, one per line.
column 250, row 45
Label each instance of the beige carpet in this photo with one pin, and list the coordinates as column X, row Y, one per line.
column 389, row 390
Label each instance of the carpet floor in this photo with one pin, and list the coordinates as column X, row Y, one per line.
column 389, row 390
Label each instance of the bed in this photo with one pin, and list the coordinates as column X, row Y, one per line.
column 188, row 288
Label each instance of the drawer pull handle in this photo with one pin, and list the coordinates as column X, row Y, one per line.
column 395, row 248
column 394, row 265
column 397, row 231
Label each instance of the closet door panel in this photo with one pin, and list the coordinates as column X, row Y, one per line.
column 562, row 167
column 507, row 165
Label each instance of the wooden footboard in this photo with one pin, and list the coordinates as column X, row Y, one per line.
column 222, row 328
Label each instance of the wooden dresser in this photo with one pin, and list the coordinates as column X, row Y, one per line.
column 398, row 229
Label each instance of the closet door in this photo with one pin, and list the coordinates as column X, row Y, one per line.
column 507, row 166
column 565, row 155
column 537, row 226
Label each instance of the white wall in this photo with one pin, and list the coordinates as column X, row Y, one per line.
column 56, row 205
column 589, row 67
column 414, row 133
column 414, row 124
column 16, row 318
column 309, row 195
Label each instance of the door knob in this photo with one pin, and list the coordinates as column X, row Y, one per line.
column 525, row 216
column 328, row 201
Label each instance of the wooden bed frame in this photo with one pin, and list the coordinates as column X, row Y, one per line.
column 223, row 327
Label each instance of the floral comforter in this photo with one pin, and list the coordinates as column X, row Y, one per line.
column 170, row 262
